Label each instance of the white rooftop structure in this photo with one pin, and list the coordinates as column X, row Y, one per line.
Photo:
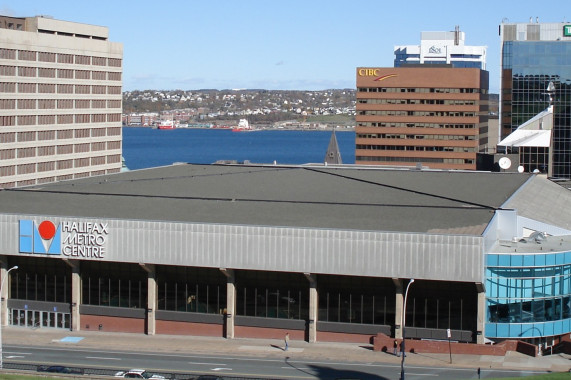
column 536, row 132
column 442, row 48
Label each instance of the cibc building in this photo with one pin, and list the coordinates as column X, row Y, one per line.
column 323, row 252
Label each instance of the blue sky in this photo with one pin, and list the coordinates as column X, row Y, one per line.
column 279, row 45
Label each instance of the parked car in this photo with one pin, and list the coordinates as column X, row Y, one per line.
column 138, row 374
column 60, row 369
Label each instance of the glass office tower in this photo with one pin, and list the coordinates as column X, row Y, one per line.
column 534, row 54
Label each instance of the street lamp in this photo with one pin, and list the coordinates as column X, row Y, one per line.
column 2, row 310
column 403, row 335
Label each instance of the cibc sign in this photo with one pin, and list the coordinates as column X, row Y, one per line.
column 72, row 239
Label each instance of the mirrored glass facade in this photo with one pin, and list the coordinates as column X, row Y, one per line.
column 527, row 69
column 528, row 295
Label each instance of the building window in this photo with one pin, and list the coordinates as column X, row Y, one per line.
column 7, row 104
column 65, row 58
column 46, row 166
column 26, row 55
column 114, row 117
column 82, row 89
column 27, row 120
column 98, row 90
column 65, row 164
column 46, row 88
column 99, row 61
column 63, row 134
column 82, row 60
column 8, row 137
column 98, row 118
column 111, row 145
column 100, row 160
column 65, row 73
column 46, row 119
column 114, row 76
column 7, row 87
column 82, row 118
column 26, row 136
column 99, row 75
column 46, row 135
column 114, row 62
column 29, row 88
column 46, row 57
column 44, row 72
column 26, row 104
column 82, row 103
column 7, row 154
column 81, row 148
column 82, row 74
column 27, row 71
column 113, row 284
column 81, row 162
column 82, row 133
column 113, row 104
column 196, row 290
column 7, row 121
column 65, row 103
column 40, row 279
column 46, row 104
column 65, row 88
column 98, row 103
column 98, row 146
column 65, row 119
column 7, row 53
column 46, row 151
column 9, row 71
column 26, row 169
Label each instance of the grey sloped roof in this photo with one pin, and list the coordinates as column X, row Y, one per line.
column 544, row 201
column 345, row 197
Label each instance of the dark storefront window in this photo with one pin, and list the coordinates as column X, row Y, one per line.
column 40, row 279
column 272, row 295
column 197, row 290
column 113, row 284
column 356, row 300
column 441, row 305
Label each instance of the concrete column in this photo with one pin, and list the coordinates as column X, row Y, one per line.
column 4, row 294
column 75, row 294
column 482, row 309
column 230, row 301
column 151, row 297
column 313, row 307
column 399, row 300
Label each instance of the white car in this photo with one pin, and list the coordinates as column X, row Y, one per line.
column 138, row 374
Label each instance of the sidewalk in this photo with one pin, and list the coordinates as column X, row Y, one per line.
column 271, row 348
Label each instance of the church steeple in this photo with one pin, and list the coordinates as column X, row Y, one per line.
column 333, row 156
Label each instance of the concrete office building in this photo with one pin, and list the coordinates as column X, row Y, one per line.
column 430, row 115
column 442, row 48
column 60, row 101
column 324, row 252
column 533, row 56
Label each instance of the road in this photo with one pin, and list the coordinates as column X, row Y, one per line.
column 235, row 366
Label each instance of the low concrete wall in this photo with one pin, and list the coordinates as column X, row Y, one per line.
column 383, row 342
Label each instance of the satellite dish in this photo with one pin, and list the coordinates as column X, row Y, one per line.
column 520, row 169
column 505, row 163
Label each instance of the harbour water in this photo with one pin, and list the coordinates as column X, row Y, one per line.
column 147, row 147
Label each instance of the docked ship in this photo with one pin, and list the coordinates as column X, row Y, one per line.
column 243, row 126
column 166, row 124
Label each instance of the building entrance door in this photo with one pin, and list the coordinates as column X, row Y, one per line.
column 35, row 319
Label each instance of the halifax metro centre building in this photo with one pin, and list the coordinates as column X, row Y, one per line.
column 323, row 252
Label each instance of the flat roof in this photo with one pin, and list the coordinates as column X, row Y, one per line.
column 312, row 196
